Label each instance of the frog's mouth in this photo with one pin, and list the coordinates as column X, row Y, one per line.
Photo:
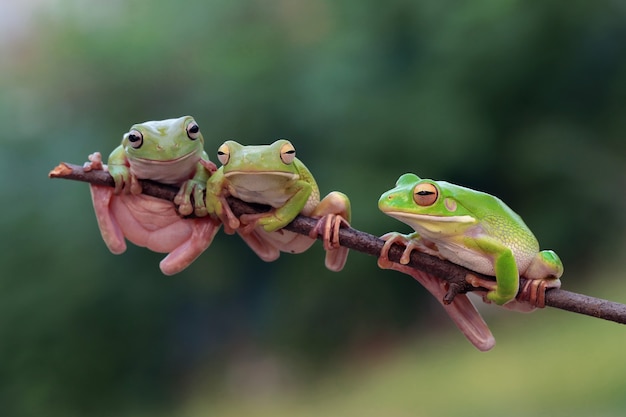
column 260, row 180
column 169, row 171
column 434, row 224
column 166, row 162
column 430, row 218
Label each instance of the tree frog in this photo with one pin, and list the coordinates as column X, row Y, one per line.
column 273, row 176
column 475, row 230
column 168, row 151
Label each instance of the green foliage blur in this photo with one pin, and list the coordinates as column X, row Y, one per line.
column 524, row 100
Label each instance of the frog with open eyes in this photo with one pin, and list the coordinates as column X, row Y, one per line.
column 475, row 230
column 272, row 175
column 167, row 151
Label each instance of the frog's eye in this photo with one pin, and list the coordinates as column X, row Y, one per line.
column 287, row 153
column 135, row 138
column 425, row 194
column 193, row 131
column 223, row 154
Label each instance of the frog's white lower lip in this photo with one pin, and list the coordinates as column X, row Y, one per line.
column 166, row 161
column 289, row 175
column 429, row 218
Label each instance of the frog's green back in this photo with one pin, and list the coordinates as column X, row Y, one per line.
column 497, row 219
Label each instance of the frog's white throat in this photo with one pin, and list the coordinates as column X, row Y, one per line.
column 424, row 223
column 264, row 187
column 173, row 171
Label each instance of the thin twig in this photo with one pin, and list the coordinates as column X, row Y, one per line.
column 372, row 245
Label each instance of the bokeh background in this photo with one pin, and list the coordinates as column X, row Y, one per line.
column 525, row 100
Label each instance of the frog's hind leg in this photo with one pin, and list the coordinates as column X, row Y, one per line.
column 203, row 231
column 328, row 227
column 109, row 228
column 333, row 212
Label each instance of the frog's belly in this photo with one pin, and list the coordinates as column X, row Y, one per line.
column 150, row 222
column 477, row 261
column 474, row 261
column 175, row 171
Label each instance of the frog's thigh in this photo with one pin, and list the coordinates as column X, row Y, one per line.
column 110, row 230
column 545, row 265
column 202, row 231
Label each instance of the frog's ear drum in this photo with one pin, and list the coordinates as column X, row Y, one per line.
column 425, row 194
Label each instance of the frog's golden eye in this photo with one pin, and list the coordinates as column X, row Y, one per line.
column 425, row 194
column 287, row 153
column 135, row 138
column 193, row 130
column 223, row 154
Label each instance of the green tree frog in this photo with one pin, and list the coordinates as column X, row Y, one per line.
column 475, row 230
column 168, row 151
column 273, row 176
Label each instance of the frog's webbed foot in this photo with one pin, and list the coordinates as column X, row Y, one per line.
column 533, row 291
column 328, row 227
column 530, row 297
column 183, row 199
column 249, row 222
column 487, row 284
column 396, row 238
column 543, row 273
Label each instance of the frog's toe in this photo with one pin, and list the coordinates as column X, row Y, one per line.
column 328, row 227
column 533, row 291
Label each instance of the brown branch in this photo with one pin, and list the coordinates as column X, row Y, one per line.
column 372, row 245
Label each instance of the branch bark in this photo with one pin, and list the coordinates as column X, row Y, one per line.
column 372, row 245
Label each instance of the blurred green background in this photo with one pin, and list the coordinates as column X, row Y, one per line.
column 525, row 100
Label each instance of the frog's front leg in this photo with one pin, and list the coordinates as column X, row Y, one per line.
column 333, row 212
column 216, row 204
column 461, row 310
column 203, row 231
column 410, row 242
column 506, row 271
column 281, row 216
column 183, row 198
column 195, row 187
column 119, row 168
